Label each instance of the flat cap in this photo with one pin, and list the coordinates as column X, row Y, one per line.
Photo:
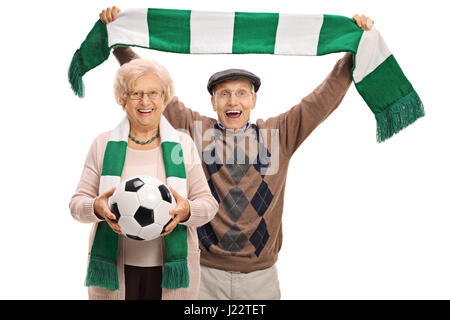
column 221, row 76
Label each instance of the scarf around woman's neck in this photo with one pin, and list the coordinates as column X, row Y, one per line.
column 377, row 75
column 102, row 270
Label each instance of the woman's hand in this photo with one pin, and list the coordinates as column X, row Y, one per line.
column 363, row 22
column 109, row 14
column 101, row 209
column 181, row 212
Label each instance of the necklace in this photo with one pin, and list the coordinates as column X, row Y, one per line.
column 143, row 142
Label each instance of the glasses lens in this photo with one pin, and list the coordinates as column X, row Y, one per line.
column 137, row 95
column 154, row 94
column 242, row 93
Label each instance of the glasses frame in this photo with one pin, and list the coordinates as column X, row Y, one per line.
column 141, row 95
column 219, row 96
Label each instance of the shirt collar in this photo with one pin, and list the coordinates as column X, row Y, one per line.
column 245, row 127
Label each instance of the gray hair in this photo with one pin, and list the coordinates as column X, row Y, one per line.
column 128, row 73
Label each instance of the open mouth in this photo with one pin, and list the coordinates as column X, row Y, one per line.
column 233, row 114
column 145, row 112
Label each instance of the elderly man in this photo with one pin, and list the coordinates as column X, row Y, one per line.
column 246, row 167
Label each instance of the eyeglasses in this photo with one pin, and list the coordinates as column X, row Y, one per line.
column 139, row 95
column 240, row 93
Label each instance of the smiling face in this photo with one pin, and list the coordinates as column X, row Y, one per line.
column 233, row 101
column 145, row 113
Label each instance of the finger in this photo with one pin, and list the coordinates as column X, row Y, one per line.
column 114, row 226
column 172, row 224
column 370, row 23
column 357, row 18
column 167, row 231
column 115, row 11
column 111, row 216
column 175, row 211
column 175, row 193
column 108, row 214
column 165, row 234
column 109, row 193
column 102, row 16
column 108, row 15
column 364, row 22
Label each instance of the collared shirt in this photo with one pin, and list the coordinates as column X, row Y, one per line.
column 245, row 127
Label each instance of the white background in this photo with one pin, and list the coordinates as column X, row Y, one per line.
column 361, row 220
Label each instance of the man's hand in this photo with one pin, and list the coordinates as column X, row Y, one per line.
column 181, row 212
column 363, row 22
column 109, row 14
column 101, row 209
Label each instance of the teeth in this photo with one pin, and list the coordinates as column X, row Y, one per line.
column 233, row 111
column 145, row 111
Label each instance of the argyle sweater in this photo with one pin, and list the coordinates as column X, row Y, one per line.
column 246, row 171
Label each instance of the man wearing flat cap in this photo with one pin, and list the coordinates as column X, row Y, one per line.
column 246, row 168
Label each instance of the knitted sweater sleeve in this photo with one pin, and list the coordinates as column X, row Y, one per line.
column 124, row 54
column 297, row 124
column 179, row 116
column 82, row 202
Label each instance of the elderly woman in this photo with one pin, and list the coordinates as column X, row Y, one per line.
column 123, row 268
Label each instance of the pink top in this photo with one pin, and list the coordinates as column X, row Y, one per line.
column 202, row 203
column 148, row 162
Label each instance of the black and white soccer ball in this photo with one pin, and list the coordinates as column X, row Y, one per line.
column 141, row 205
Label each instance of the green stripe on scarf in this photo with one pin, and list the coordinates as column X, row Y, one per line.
column 389, row 89
column 169, row 30
column 102, row 263
column 102, row 269
column 377, row 75
column 114, row 158
column 91, row 54
column 247, row 30
column 176, row 273
column 338, row 34
column 173, row 151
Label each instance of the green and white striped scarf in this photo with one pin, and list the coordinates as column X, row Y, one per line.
column 376, row 73
column 102, row 270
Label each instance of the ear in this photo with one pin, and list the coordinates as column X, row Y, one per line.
column 254, row 101
column 166, row 100
column 213, row 103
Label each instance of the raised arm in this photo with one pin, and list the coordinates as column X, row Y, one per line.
column 297, row 124
column 124, row 54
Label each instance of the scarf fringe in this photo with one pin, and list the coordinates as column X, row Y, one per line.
column 398, row 116
column 102, row 274
column 76, row 74
column 175, row 275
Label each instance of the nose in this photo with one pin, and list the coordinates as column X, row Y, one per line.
column 233, row 99
column 146, row 100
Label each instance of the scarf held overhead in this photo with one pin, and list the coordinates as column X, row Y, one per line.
column 376, row 73
column 102, row 270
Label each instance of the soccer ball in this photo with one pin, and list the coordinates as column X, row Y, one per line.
column 141, row 205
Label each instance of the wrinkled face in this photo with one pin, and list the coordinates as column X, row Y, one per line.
column 233, row 100
column 145, row 113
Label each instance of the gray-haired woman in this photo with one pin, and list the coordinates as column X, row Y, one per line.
column 143, row 88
